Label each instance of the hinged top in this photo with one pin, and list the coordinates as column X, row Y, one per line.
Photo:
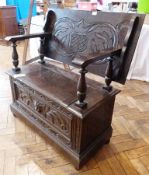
column 77, row 33
column 81, row 38
column 60, row 86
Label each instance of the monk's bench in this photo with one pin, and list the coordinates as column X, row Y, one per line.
column 75, row 112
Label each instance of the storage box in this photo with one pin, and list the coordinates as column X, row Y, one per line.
column 8, row 22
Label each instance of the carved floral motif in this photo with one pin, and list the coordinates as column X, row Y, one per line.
column 59, row 121
column 71, row 37
column 44, row 125
column 52, row 112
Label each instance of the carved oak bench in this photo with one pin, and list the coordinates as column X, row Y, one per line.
column 73, row 111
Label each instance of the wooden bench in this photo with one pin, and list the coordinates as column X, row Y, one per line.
column 75, row 112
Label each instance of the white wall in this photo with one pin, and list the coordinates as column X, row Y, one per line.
column 2, row 2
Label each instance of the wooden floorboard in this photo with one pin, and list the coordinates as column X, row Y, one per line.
column 25, row 151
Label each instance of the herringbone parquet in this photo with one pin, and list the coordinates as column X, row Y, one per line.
column 25, row 151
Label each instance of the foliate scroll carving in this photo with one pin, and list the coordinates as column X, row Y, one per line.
column 49, row 128
column 59, row 121
column 39, row 107
column 44, row 99
column 71, row 36
column 49, row 110
column 24, row 97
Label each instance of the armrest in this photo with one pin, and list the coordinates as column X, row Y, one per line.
column 85, row 60
column 23, row 37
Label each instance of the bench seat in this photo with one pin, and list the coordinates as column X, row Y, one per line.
column 41, row 98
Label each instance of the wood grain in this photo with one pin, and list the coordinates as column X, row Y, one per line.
column 24, row 151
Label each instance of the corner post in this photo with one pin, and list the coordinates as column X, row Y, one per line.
column 15, row 57
column 81, row 89
column 108, row 75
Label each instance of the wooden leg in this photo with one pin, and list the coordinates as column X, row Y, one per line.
column 81, row 89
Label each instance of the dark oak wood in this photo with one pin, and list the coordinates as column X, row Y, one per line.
column 81, row 89
column 108, row 75
column 15, row 58
column 81, row 34
column 8, row 21
column 23, row 37
column 72, row 110
column 39, row 97
column 42, row 51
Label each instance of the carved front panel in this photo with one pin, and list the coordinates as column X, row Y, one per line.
column 50, row 130
column 58, row 119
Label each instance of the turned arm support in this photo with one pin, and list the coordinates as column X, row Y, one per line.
column 81, row 89
column 16, row 38
column 83, row 62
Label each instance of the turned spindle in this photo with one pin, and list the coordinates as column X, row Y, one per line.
column 41, row 51
column 108, row 75
column 15, row 60
column 81, row 89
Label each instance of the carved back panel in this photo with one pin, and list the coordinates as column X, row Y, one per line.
column 75, row 32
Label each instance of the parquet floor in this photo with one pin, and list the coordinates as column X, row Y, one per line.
column 25, row 151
